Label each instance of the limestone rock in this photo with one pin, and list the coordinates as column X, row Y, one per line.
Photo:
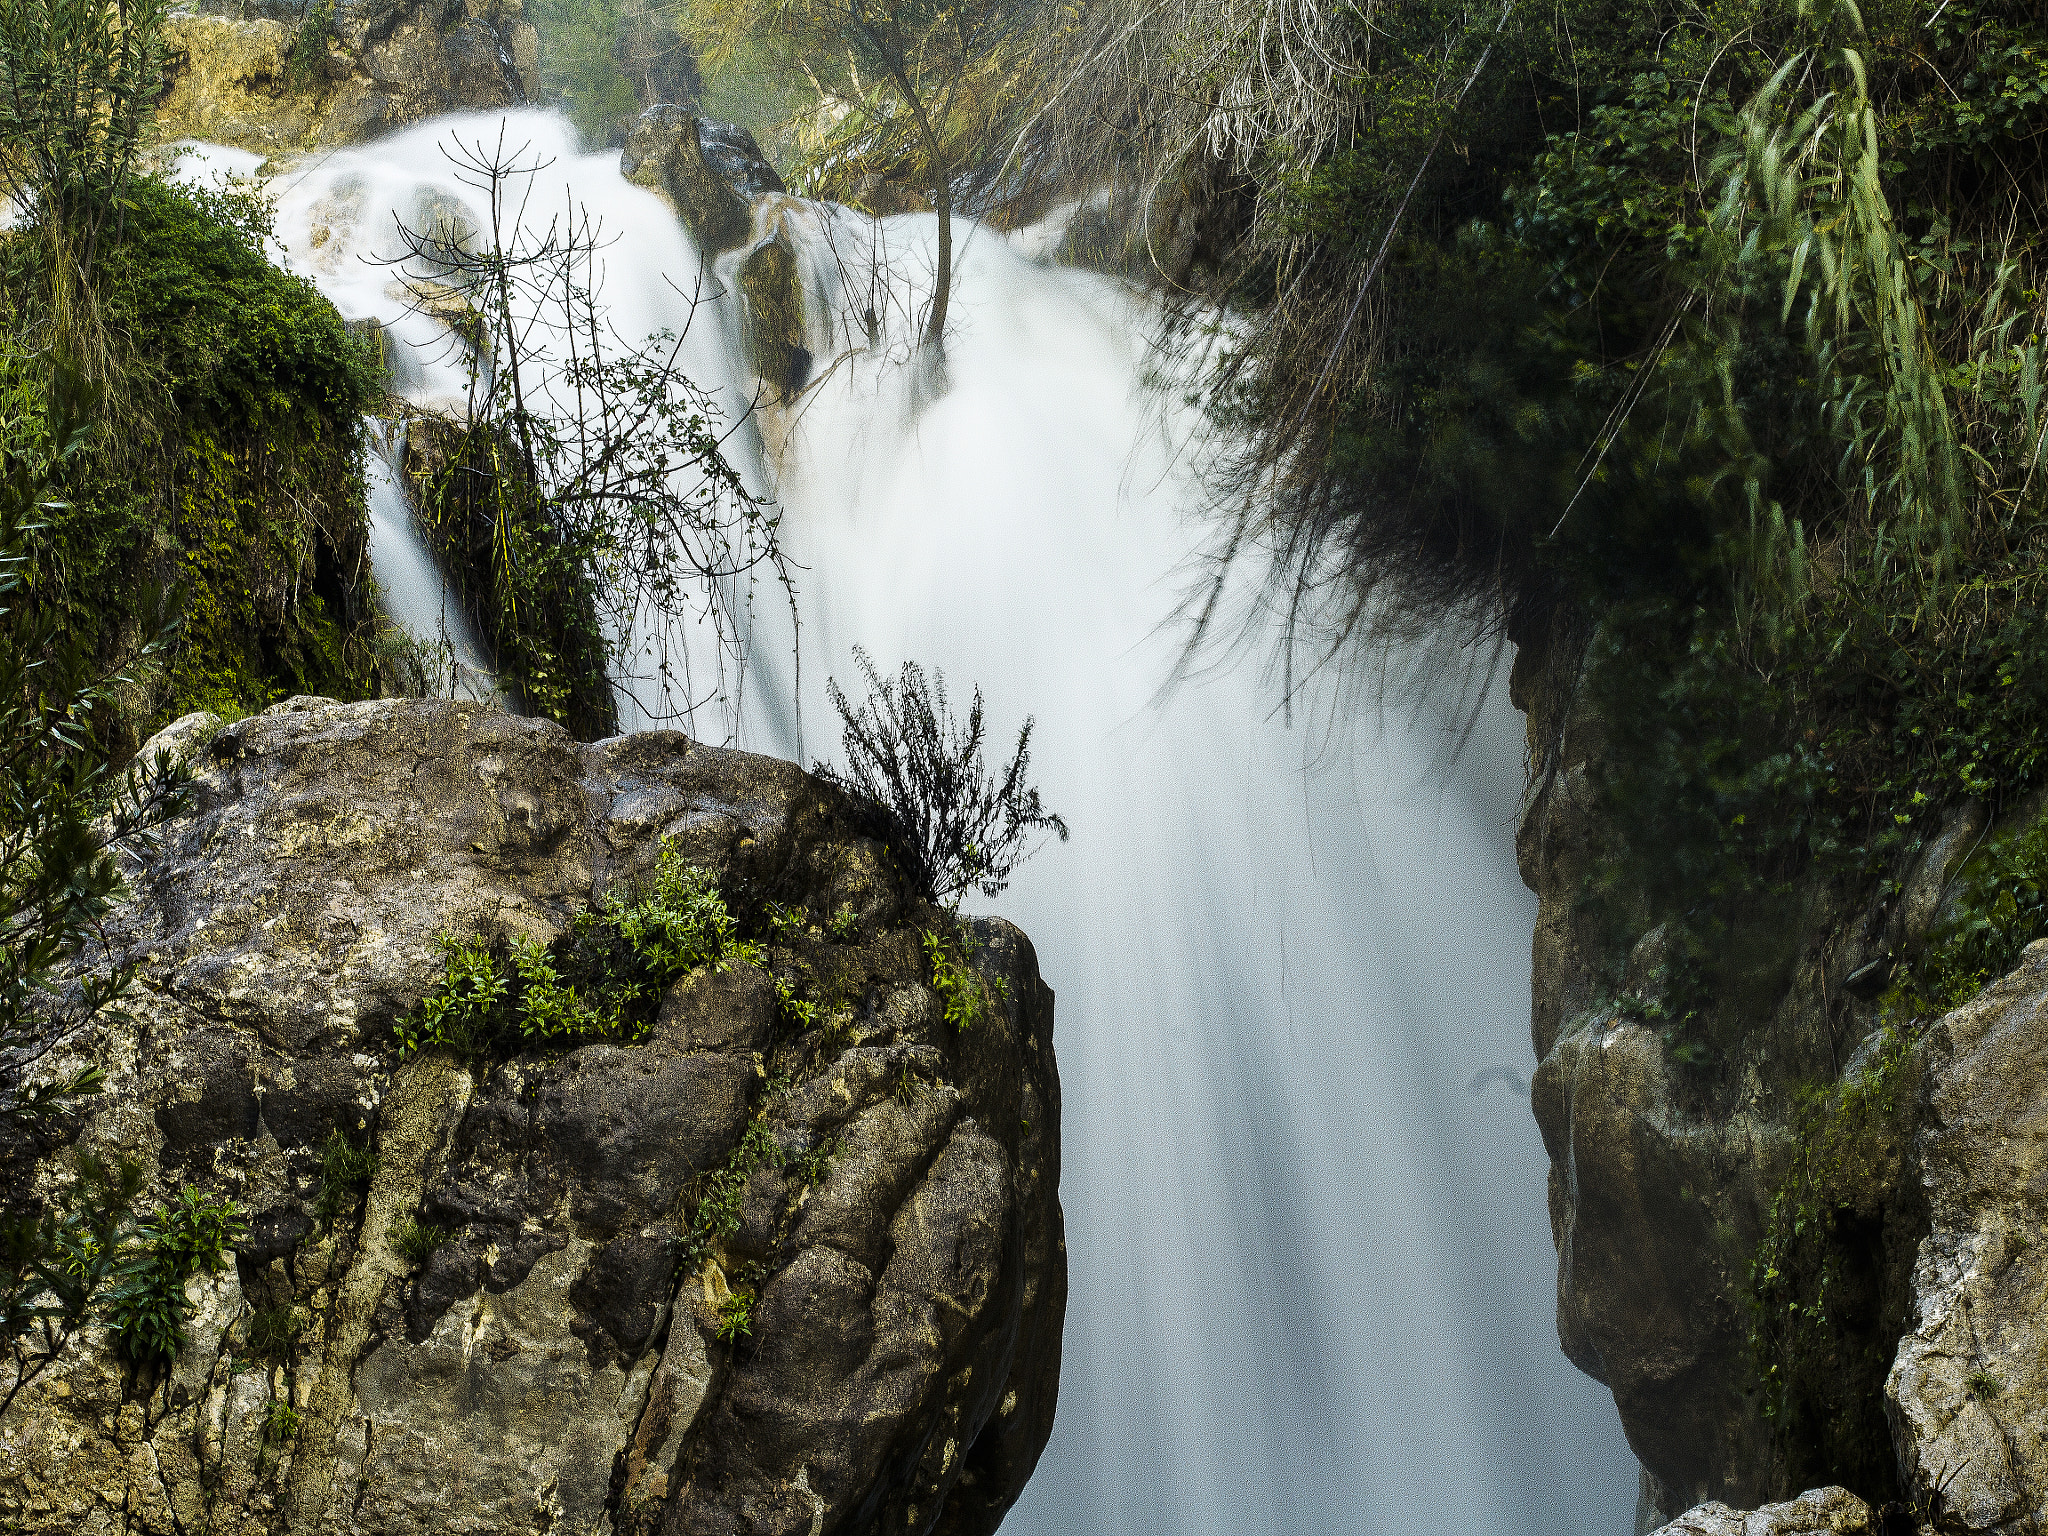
column 1668, row 1148
column 313, row 77
column 709, row 171
column 555, row 1359
column 1817, row 1512
column 1968, row 1390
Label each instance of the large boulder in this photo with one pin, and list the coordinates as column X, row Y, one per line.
column 1667, row 1174
column 557, row 1350
column 709, row 172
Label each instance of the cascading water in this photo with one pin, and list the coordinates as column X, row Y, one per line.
column 1311, row 1273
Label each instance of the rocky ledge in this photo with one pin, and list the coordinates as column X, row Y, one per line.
column 549, row 1356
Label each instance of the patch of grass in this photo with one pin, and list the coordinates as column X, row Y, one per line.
column 274, row 1333
column 1983, row 1384
column 417, row 1239
column 345, row 1173
column 281, row 1422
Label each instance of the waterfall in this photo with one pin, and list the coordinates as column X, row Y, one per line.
column 1312, row 1281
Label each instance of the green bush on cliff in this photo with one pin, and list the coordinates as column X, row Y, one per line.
column 224, row 478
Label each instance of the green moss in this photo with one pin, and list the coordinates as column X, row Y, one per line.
column 1823, row 1325
column 222, row 484
column 523, row 574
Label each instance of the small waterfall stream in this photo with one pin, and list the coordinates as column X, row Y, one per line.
column 1311, row 1270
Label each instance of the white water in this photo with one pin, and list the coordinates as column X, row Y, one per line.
column 1311, row 1271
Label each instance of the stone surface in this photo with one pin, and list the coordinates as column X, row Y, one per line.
column 1968, row 1390
column 1662, row 1177
column 553, row 1364
column 1663, row 1169
column 266, row 83
column 710, row 172
column 1817, row 1511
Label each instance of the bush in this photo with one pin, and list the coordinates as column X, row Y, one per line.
column 147, row 1309
column 952, row 824
column 603, row 982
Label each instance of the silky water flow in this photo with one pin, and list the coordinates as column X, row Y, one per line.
column 1311, row 1274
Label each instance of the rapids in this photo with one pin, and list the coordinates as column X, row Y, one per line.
column 1312, row 1278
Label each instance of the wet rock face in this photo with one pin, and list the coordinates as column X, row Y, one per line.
column 710, row 172
column 1968, row 1390
column 550, row 1356
column 1661, row 1188
column 286, row 79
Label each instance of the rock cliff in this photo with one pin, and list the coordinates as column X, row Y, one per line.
column 1668, row 1174
column 467, row 1297
column 287, row 78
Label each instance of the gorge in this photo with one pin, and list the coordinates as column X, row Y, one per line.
column 1606, row 587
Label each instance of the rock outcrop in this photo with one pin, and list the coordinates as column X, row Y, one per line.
column 502, row 1325
column 1664, row 1174
column 1968, row 1389
column 314, row 76
column 1817, row 1512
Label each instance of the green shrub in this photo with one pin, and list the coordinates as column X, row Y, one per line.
column 308, row 56
column 605, row 981
column 736, row 1316
column 953, row 825
column 2000, row 906
column 147, row 1309
column 966, row 993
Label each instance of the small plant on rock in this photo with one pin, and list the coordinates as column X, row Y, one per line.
column 281, row 1423
column 274, row 1333
column 604, row 981
column 417, row 1239
column 192, row 1233
column 844, row 927
column 345, row 1173
column 954, row 825
column 1983, row 1384
column 57, row 1266
column 965, row 993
